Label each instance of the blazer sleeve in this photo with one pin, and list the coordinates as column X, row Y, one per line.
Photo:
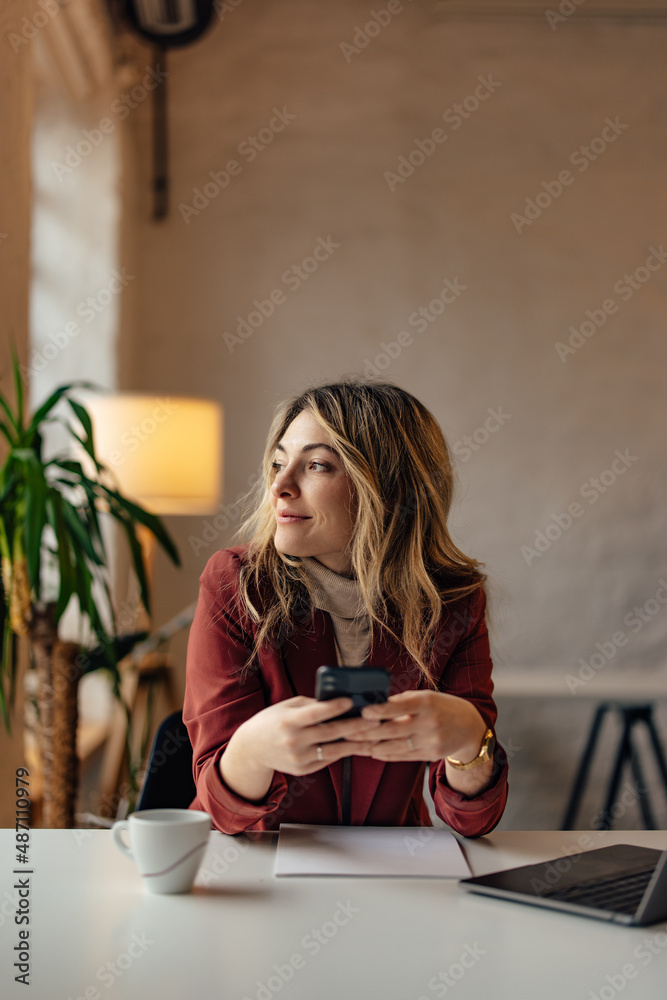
column 467, row 674
column 217, row 700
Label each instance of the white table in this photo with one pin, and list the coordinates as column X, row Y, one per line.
column 95, row 933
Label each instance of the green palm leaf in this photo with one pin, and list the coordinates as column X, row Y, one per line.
column 150, row 521
column 58, row 493
column 35, row 517
column 18, row 388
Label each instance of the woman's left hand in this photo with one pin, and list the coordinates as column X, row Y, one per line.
column 425, row 725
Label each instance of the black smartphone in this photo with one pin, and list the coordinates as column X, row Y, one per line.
column 364, row 685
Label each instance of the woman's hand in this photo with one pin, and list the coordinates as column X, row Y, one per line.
column 285, row 737
column 426, row 725
column 430, row 725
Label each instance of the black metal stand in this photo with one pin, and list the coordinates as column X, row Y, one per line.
column 632, row 715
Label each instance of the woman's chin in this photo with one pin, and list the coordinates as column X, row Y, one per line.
column 289, row 547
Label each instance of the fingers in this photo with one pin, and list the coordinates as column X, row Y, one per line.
column 395, row 706
column 312, row 761
column 313, row 712
column 346, row 729
column 331, row 752
column 398, row 740
column 404, row 749
column 399, row 728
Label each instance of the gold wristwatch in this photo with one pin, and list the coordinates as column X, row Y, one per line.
column 485, row 753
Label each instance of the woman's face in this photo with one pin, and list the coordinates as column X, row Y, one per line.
column 311, row 484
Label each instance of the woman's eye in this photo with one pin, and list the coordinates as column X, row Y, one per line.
column 320, row 466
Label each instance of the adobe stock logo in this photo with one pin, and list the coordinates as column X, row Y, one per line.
column 364, row 35
column 635, row 621
column 223, row 7
column 581, row 158
column 591, row 490
column 625, row 288
column 454, row 116
column 312, row 943
column 48, row 9
column 446, row 979
column 470, row 443
column 566, row 9
column 249, row 148
column 88, row 309
column 73, row 156
column 419, row 320
column 292, row 278
column 617, row 981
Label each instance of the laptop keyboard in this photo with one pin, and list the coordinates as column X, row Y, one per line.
column 621, row 893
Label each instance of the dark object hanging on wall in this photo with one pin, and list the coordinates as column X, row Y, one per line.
column 164, row 24
column 167, row 23
column 160, row 142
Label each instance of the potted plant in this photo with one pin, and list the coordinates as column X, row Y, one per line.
column 52, row 551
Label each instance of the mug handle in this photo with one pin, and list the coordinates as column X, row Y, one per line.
column 117, row 831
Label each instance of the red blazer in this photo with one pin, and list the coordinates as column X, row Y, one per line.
column 382, row 794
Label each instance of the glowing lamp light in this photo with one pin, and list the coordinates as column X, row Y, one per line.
column 165, row 452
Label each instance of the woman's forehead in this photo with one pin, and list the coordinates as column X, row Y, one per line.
column 305, row 430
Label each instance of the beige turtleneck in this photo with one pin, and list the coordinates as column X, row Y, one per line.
column 340, row 597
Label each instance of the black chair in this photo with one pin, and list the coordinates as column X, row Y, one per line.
column 168, row 781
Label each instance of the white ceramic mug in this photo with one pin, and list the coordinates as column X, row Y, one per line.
column 166, row 845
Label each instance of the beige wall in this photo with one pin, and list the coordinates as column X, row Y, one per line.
column 16, row 113
column 494, row 345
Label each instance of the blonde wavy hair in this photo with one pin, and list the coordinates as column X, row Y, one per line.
column 407, row 565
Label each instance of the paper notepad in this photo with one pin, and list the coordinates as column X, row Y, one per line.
column 420, row 852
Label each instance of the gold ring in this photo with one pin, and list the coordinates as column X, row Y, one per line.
column 318, row 751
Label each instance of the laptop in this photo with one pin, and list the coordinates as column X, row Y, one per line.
column 624, row 884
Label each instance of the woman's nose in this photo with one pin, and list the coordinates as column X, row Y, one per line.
column 284, row 483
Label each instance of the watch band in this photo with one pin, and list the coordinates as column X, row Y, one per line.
column 485, row 753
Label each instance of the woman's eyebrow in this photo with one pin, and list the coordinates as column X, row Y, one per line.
column 311, row 447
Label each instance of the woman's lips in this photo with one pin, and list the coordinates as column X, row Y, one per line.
column 291, row 518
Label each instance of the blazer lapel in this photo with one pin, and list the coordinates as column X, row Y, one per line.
column 308, row 650
column 301, row 657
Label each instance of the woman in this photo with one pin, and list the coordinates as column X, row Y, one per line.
column 349, row 562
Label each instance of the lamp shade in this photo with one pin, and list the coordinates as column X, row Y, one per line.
column 164, row 451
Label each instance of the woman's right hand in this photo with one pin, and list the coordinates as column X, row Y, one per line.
column 285, row 736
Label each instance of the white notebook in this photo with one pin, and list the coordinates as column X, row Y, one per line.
column 385, row 851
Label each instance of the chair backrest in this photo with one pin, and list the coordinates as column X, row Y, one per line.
column 168, row 781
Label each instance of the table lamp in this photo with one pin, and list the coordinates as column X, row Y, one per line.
column 165, row 452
